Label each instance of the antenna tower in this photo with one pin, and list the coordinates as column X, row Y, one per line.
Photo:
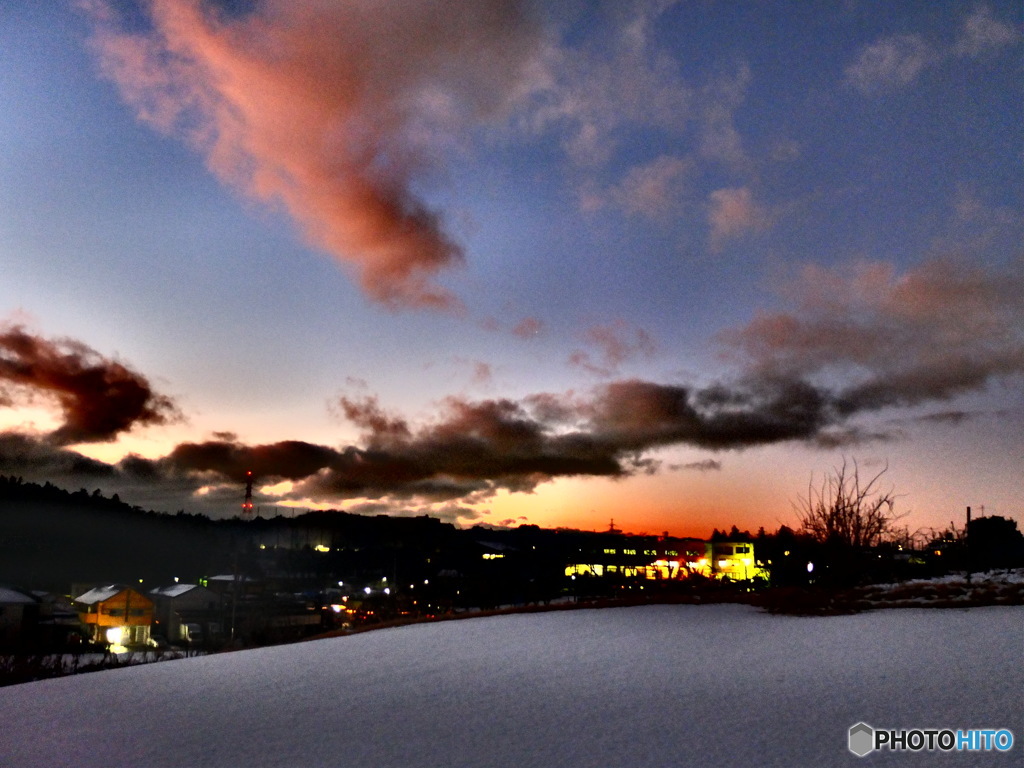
column 247, row 504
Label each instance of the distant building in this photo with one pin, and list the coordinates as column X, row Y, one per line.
column 734, row 560
column 116, row 614
column 187, row 613
column 666, row 558
column 59, row 623
column 19, row 612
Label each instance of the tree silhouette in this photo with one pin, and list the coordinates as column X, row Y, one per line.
column 844, row 510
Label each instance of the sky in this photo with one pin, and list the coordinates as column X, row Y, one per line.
column 667, row 263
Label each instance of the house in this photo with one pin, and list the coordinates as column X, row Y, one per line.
column 116, row 614
column 59, row 623
column 19, row 612
column 187, row 613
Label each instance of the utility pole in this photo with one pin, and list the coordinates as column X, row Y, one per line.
column 967, row 546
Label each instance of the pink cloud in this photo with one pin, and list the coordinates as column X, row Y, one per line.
column 981, row 32
column 732, row 213
column 528, row 328
column 331, row 110
column 612, row 344
column 653, row 190
column 897, row 61
column 890, row 63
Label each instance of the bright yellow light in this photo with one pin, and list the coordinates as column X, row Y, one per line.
column 322, row 548
column 277, row 489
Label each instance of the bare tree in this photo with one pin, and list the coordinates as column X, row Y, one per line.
column 844, row 509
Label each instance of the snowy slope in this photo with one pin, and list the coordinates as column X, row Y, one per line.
column 721, row 685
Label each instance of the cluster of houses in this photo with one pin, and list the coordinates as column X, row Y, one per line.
column 222, row 608
column 119, row 617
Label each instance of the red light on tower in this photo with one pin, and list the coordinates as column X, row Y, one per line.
column 247, row 504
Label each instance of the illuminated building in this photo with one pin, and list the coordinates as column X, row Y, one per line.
column 116, row 614
column 667, row 558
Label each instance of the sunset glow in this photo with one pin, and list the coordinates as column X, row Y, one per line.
column 556, row 264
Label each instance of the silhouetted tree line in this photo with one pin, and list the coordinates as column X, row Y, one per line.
column 51, row 538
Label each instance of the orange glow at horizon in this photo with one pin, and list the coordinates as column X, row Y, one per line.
column 650, row 505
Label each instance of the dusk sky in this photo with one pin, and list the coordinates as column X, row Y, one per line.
column 504, row 262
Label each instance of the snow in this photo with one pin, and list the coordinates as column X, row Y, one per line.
column 175, row 590
column 10, row 596
column 99, row 594
column 715, row 685
column 959, row 578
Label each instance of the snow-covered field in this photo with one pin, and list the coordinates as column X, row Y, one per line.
column 716, row 685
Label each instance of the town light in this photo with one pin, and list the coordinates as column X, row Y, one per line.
column 810, row 567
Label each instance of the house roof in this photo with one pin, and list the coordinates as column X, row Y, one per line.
column 99, row 594
column 11, row 596
column 175, row 590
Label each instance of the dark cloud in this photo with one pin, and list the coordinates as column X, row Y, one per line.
column 954, row 417
column 285, row 460
column 854, row 343
column 707, row 465
column 878, row 339
column 35, row 457
column 99, row 398
column 638, row 415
